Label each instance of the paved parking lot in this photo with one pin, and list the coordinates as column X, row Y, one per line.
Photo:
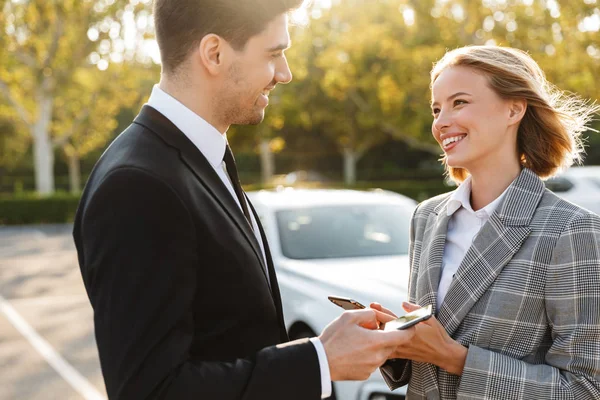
column 47, row 347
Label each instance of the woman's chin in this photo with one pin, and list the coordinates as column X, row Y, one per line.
column 454, row 162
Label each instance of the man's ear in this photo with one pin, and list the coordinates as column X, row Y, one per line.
column 209, row 53
column 517, row 111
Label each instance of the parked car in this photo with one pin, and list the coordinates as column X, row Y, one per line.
column 337, row 242
column 579, row 185
column 299, row 177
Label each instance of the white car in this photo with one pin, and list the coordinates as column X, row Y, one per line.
column 337, row 242
column 579, row 185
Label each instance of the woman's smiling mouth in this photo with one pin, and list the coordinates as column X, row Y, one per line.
column 450, row 142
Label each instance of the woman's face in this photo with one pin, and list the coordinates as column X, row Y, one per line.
column 472, row 124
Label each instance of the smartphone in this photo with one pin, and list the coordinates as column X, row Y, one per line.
column 410, row 319
column 345, row 302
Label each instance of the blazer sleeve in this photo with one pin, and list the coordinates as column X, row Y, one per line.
column 139, row 263
column 572, row 363
column 396, row 372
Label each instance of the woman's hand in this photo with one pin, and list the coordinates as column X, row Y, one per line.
column 429, row 342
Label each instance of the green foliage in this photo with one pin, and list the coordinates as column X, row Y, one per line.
column 13, row 143
column 33, row 209
column 361, row 71
column 361, row 67
column 65, row 73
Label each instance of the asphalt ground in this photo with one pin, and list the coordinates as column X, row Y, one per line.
column 47, row 345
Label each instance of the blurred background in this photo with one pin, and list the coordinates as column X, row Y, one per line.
column 74, row 73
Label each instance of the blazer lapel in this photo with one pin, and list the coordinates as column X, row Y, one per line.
column 432, row 253
column 495, row 244
column 272, row 277
column 201, row 168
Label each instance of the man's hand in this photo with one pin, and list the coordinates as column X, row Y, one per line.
column 354, row 352
column 383, row 314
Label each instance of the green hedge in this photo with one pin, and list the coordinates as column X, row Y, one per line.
column 29, row 208
column 32, row 209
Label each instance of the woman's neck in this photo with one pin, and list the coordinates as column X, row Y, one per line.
column 487, row 185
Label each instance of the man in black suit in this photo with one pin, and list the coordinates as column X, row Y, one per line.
column 173, row 257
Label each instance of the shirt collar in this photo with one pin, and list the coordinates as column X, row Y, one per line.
column 462, row 198
column 205, row 137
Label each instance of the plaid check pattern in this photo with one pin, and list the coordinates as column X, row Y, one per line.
column 525, row 300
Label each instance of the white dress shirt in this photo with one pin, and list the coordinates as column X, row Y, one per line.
column 463, row 227
column 211, row 144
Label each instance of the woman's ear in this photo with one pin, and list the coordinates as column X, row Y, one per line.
column 517, row 111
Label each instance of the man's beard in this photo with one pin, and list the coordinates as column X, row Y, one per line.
column 236, row 114
column 232, row 110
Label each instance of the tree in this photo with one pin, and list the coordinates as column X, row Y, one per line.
column 355, row 78
column 45, row 46
column 13, row 143
column 361, row 68
column 83, row 124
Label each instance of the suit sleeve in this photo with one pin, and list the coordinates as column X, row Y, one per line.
column 396, row 372
column 140, row 259
column 572, row 363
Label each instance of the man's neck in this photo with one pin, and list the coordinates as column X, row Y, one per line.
column 194, row 98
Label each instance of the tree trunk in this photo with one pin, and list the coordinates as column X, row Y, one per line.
column 74, row 173
column 267, row 161
column 43, row 152
column 350, row 159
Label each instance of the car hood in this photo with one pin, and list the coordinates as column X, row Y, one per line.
column 365, row 279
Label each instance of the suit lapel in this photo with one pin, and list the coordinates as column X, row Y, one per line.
column 201, row 168
column 493, row 247
column 432, row 253
column 495, row 244
column 272, row 276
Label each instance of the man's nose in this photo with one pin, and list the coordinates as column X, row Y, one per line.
column 283, row 73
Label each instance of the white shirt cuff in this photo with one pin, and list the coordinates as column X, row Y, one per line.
column 324, row 367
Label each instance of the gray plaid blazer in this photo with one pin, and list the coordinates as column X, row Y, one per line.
column 525, row 301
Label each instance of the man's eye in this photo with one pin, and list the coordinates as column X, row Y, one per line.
column 276, row 55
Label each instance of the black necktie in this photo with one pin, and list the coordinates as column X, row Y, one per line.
column 235, row 181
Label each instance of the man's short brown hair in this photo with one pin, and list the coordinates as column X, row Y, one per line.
column 181, row 24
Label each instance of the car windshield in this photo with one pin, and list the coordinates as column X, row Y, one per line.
column 344, row 231
column 595, row 181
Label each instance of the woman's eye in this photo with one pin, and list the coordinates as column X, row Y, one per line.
column 435, row 111
column 459, row 102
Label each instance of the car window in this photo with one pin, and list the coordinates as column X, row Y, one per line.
column 558, row 184
column 344, row 231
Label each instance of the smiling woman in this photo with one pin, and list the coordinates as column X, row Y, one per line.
column 551, row 121
column 511, row 270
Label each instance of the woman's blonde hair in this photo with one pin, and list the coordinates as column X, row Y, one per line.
column 548, row 139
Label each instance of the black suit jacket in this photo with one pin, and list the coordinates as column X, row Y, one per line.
column 182, row 305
